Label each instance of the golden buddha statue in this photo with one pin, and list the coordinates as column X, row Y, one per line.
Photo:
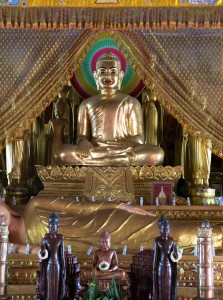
column 16, row 159
column 110, row 127
column 162, row 197
column 58, row 130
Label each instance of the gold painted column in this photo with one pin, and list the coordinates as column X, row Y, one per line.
column 4, row 232
column 205, row 268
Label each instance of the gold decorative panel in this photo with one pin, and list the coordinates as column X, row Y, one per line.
column 105, row 182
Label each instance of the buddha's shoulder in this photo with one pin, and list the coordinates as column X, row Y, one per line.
column 127, row 98
column 109, row 251
column 91, row 100
column 112, row 251
column 119, row 97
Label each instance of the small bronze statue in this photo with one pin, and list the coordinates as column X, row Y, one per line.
column 58, row 130
column 164, row 264
column 52, row 270
column 105, row 260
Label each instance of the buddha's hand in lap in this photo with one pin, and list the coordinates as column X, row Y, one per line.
column 84, row 149
column 119, row 150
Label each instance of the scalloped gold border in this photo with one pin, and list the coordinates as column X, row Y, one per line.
column 114, row 3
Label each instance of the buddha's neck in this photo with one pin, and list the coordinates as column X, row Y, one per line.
column 108, row 93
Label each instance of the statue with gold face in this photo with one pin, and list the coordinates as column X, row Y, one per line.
column 110, row 128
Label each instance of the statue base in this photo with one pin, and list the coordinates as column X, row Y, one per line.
column 199, row 195
column 21, row 194
column 118, row 184
column 26, row 276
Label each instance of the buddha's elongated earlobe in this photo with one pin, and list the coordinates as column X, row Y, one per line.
column 96, row 80
column 120, row 80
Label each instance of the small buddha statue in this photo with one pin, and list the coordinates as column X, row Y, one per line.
column 52, row 270
column 162, row 197
column 105, row 260
column 58, row 130
column 110, row 128
column 164, row 268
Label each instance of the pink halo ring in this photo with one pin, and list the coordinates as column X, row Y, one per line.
column 100, row 53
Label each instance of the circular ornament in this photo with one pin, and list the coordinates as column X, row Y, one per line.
column 104, row 266
column 179, row 255
column 44, row 256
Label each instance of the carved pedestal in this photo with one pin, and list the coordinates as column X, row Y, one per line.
column 141, row 275
column 3, row 261
column 198, row 195
column 119, row 184
column 205, row 266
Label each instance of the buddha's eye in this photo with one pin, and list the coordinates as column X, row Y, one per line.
column 102, row 71
column 113, row 71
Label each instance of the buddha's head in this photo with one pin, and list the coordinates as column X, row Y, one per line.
column 64, row 93
column 108, row 75
column 59, row 108
column 105, row 241
column 164, row 227
column 54, row 223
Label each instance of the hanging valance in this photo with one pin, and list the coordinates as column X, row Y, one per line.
column 184, row 70
column 110, row 19
column 35, row 66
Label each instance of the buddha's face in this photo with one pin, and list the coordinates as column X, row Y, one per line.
column 53, row 228
column 59, row 111
column 105, row 244
column 108, row 76
column 165, row 230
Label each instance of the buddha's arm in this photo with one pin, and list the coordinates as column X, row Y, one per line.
column 132, row 128
column 49, row 128
column 62, row 254
column 155, row 267
column 83, row 132
column 114, row 262
column 174, row 248
column 95, row 261
column 66, row 131
column 135, row 127
column 43, row 246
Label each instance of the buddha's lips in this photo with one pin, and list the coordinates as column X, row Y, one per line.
column 107, row 81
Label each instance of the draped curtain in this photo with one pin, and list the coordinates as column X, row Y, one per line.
column 185, row 70
column 35, row 65
column 182, row 65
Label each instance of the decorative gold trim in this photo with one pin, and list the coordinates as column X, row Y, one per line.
column 4, row 230
column 112, row 3
column 70, row 174
column 204, row 232
column 115, row 18
column 154, row 173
